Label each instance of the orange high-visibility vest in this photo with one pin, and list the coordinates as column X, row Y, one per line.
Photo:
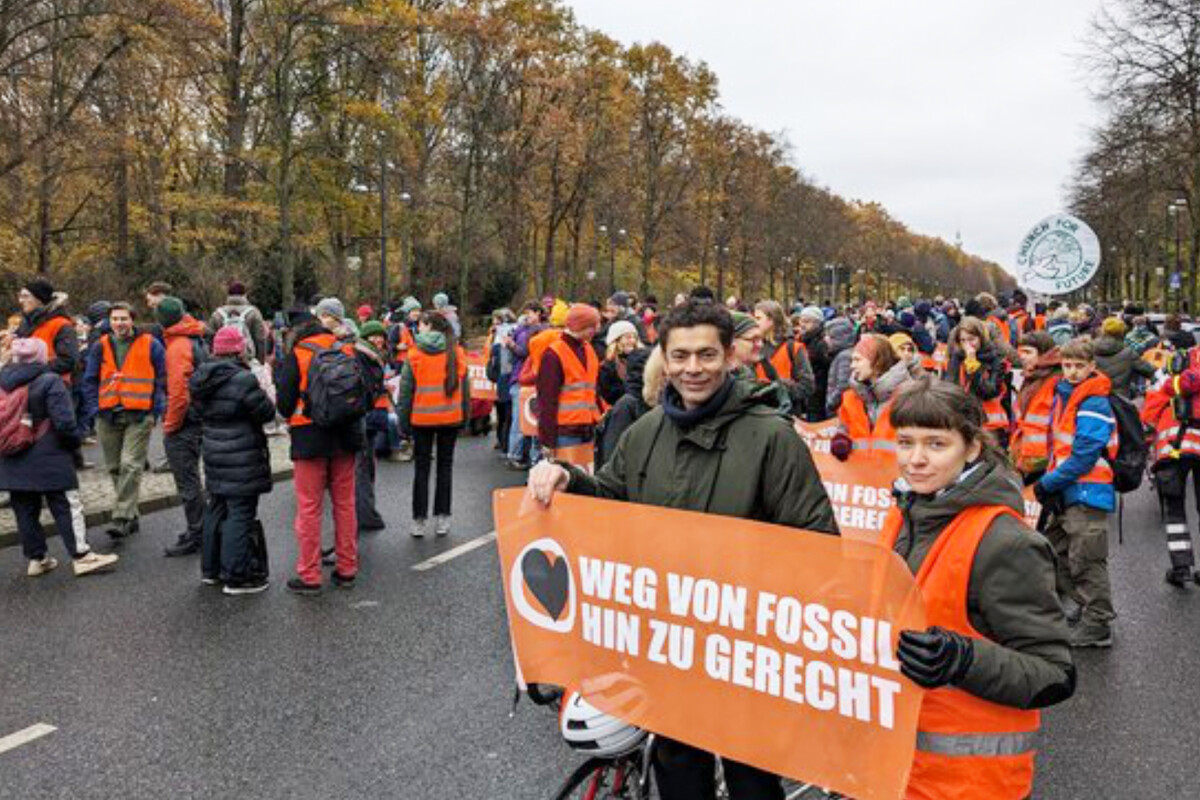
column 304, row 352
column 538, row 344
column 432, row 407
column 1169, row 442
column 1033, row 425
column 857, row 422
column 1062, row 429
column 577, row 397
column 1005, row 329
column 784, row 358
column 1039, row 322
column 404, row 343
column 995, row 418
column 967, row 747
column 48, row 331
column 131, row 385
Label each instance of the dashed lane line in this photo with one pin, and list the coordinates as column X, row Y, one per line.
column 15, row 740
column 455, row 552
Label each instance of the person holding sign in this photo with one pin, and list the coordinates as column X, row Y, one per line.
column 876, row 374
column 997, row 647
column 976, row 364
column 715, row 445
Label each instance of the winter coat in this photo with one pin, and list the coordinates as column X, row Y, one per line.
column 1023, row 661
column 879, row 392
column 1120, row 364
column 431, row 343
column 1139, row 340
column 63, row 358
column 1094, row 424
column 1180, row 340
column 185, row 343
column 987, row 382
column 738, row 459
column 49, row 465
column 1061, row 331
column 628, row 409
column 232, row 408
column 610, row 385
column 312, row 441
column 839, row 334
column 819, row 357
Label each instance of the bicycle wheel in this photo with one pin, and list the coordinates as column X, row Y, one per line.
column 602, row 779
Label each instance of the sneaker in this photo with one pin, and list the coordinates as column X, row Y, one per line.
column 297, row 586
column 418, row 529
column 441, row 525
column 207, row 581
column 341, row 581
column 1179, row 576
column 94, row 562
column 39, row 567
column 248, row 587
column 329, row 557
column 1090, row 633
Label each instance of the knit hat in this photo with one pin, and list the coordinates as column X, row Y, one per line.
column 410, row 305
column 330, row 306
column 41, row 289
column 742, row 323
column 907, row 319
column 229, row 342
column 813, row 313
column 898, row 340
column 620, row 299
column 28, row 351
column 236, row 288
column 558, row 314
column 441, row 300
column 365, row 312
column 1114, row 328
column 580, row 317
column 169, row 311
column 867, row 347
column 618, row 329
column 372, row 328
column 98, row 311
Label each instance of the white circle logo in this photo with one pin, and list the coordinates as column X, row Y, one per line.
column 1059, row 255
column 542, row 588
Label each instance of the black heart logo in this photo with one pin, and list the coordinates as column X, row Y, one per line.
column 548, row 581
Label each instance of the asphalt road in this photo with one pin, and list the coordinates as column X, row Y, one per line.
column 402, row 688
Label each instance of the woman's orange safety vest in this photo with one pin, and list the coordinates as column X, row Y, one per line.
column 48, row 332
column 577, row 397
column 1031, row 442
column 432, row 407
column 784, row 358
column 130, row 386
column 967, row 747
column 538, row 345
column 404, row 344
column 995, row 418
column 1063, row 429
column 857, row 422
column 304, row 352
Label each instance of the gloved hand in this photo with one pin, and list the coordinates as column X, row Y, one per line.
column 1044, row 497
column 936, row 657
column 841, row 446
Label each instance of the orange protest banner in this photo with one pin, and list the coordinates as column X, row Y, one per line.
column 527, row 411
column 579, row 455
column 768, row 645
column 481, row 387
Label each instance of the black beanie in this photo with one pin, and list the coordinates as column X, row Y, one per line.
column 41, row 289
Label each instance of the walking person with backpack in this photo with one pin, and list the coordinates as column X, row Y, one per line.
column 323, row 393
column 184, row 337
column 1077, row 490
column 239, row 313
column 434, row 404
column 232, row 408
column 38, row 434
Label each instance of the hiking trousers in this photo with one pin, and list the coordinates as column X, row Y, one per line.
column 1080, row 539
column 125, row 439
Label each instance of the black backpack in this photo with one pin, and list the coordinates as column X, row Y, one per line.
column 1132, row 451
column 337, row 393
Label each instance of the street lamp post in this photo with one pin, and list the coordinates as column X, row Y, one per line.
column 722, row 258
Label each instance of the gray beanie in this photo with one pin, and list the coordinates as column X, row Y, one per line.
column 331, row 306
column 813, row 313
column 441, row 300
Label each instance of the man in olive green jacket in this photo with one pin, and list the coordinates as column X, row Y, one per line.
column 715, row 445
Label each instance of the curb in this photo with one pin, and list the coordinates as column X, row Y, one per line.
column 97, row 518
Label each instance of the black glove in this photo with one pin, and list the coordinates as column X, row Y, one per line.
column 935, row 658
column 1044, row 497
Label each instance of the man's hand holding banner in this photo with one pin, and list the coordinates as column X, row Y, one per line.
column 765, row 644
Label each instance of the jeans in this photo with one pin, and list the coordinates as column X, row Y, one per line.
column 683, row 772
column 233, row 552
column 183, row 454
column 423, row 440
column 312, row 478
column 125, row 439
column 27, row 508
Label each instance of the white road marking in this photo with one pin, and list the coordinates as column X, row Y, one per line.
column 15, row 740
column 455, row 552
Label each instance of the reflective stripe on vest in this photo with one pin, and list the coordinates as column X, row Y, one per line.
column 1033, row 426
column 304, row 352
column 432, row 407
column 966, row 746
column 865, row 436
column 577, row 397
column 1062, row 433
column 131, row 386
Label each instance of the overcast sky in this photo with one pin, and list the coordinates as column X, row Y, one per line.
column 956, row 115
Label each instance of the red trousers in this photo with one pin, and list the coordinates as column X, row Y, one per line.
column 313, row 476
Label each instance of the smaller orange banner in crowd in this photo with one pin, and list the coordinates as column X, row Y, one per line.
column 481, row 387
column 771, row 646
column 527, row 411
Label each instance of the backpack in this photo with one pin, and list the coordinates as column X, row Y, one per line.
column 235, row 317
column 1132, row 451
column 17, row 431
column 337, row 393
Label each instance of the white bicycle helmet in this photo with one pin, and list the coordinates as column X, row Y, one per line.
column 589, row 730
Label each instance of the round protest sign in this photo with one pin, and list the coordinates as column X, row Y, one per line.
column 1059, row 255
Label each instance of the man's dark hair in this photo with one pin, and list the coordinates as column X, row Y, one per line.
column 532, row 305
column 695, row 313
column 702, row 293
column 123, row 306
column 160, row 287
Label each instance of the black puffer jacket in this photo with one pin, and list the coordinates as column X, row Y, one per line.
column 1120, row 364
column 233, row 409
column 47, row 466
column 627, row 410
